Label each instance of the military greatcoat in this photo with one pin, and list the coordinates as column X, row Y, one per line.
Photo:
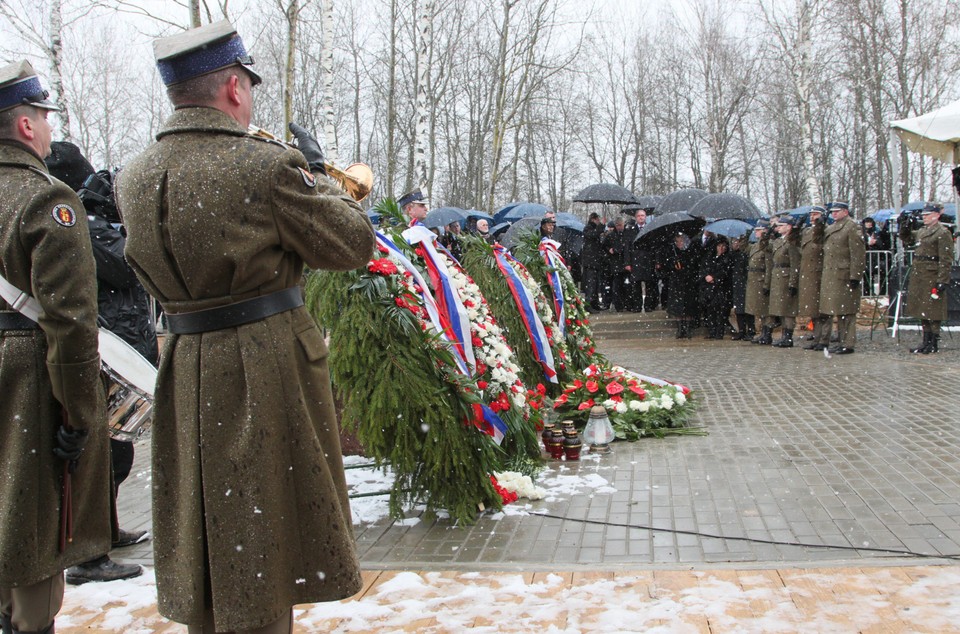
column 45, row 251
column 931, row 266
column 784, row 274
column 844, row 257
column 811, row 270
column 757, row 262
column 248, row 488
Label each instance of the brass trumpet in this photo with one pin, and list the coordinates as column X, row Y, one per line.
column 356, row 179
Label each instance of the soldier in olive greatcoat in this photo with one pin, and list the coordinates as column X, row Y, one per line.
column 758, row 294
column 844, row 258
column 811, row 270
column 251, row 514
column 783, row 278
column 929, row 274
column 54, row 457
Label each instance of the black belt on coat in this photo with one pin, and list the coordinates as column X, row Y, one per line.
column 927, row 258
column 16, row 321
column 237, row 314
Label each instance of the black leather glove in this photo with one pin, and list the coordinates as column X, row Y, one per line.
column 70, row 443
column 792, row 290
column 941, row 288
column 310, row 148
column 766, row 292
column 854, row 284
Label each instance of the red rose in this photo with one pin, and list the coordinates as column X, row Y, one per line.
column 477, row 341
column 482, row 385
column 541, row 390
column 382, row 249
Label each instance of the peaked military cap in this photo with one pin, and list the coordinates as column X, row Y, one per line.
column 787, row 220
column 201, row 51
column 763, row 223
column 818, row 209
column 20, row 86
column 931, row 208
column 838, row 206
column 416, row 196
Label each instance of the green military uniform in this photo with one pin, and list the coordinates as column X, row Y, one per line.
column 811, row 271
column 844, row 258
column 931, row 266
column 45, row 251
column 757, row 301
column 783, row 275
column 930, row 271
column 248, row 489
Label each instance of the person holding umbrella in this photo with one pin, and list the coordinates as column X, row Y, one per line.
column 680, row 264
column 783, row 279
column 646, row 294
column 593, row 262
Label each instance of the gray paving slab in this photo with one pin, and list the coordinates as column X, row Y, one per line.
column 855, row 451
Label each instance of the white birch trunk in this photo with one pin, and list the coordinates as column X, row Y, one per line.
column 802, row 84
column 326, row 64
column 194, row 9
column 290, row 65
column 421, row 162
column 55, row 53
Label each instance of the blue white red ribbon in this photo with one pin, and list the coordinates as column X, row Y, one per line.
column 428, row 300
column 448, row 300
column 553, row 260
column 528, row 312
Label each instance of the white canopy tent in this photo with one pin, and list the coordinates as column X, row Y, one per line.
column 936, row 133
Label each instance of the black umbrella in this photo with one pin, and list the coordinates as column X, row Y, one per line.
column 605, row 193
column 720, row 206
column 643, row 202
column 443, row 216
column 662, row 228
column 680, row 200
column 511, row 237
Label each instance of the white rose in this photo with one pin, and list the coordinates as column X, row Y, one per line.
column 644, row 406
column 609, row 403
column 680, row 398
column 621, row 408
column 636, row 405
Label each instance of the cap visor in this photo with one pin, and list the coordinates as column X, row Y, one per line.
column 45, row 105
column 254, row 76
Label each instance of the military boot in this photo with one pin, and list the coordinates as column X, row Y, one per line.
column 5, row 626
column 46, row 630
column 921, row 349
column 785, row 340
column 679, row 329
column 933, row 346
column 766, row 336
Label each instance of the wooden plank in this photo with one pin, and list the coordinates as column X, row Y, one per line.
column 671, row 584
column 761, row 607
column 811, row 593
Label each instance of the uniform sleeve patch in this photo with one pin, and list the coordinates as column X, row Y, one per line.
column 309, row 179
column 64, row 215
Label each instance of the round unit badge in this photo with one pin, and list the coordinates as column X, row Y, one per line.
column 64, row 215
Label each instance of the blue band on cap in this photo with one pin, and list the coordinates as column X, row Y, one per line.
column 201, row 61
column 25, row 91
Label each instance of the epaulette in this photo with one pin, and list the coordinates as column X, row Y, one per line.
column 279, row 144
column 39, row 171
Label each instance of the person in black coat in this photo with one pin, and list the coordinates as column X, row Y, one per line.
column 641, row 263
column 682, row 272
column 592, row 261
column 716, row 289
column 616, row 247
column 738, row 287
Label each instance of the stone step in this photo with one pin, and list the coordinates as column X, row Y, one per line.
column 610, row 325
